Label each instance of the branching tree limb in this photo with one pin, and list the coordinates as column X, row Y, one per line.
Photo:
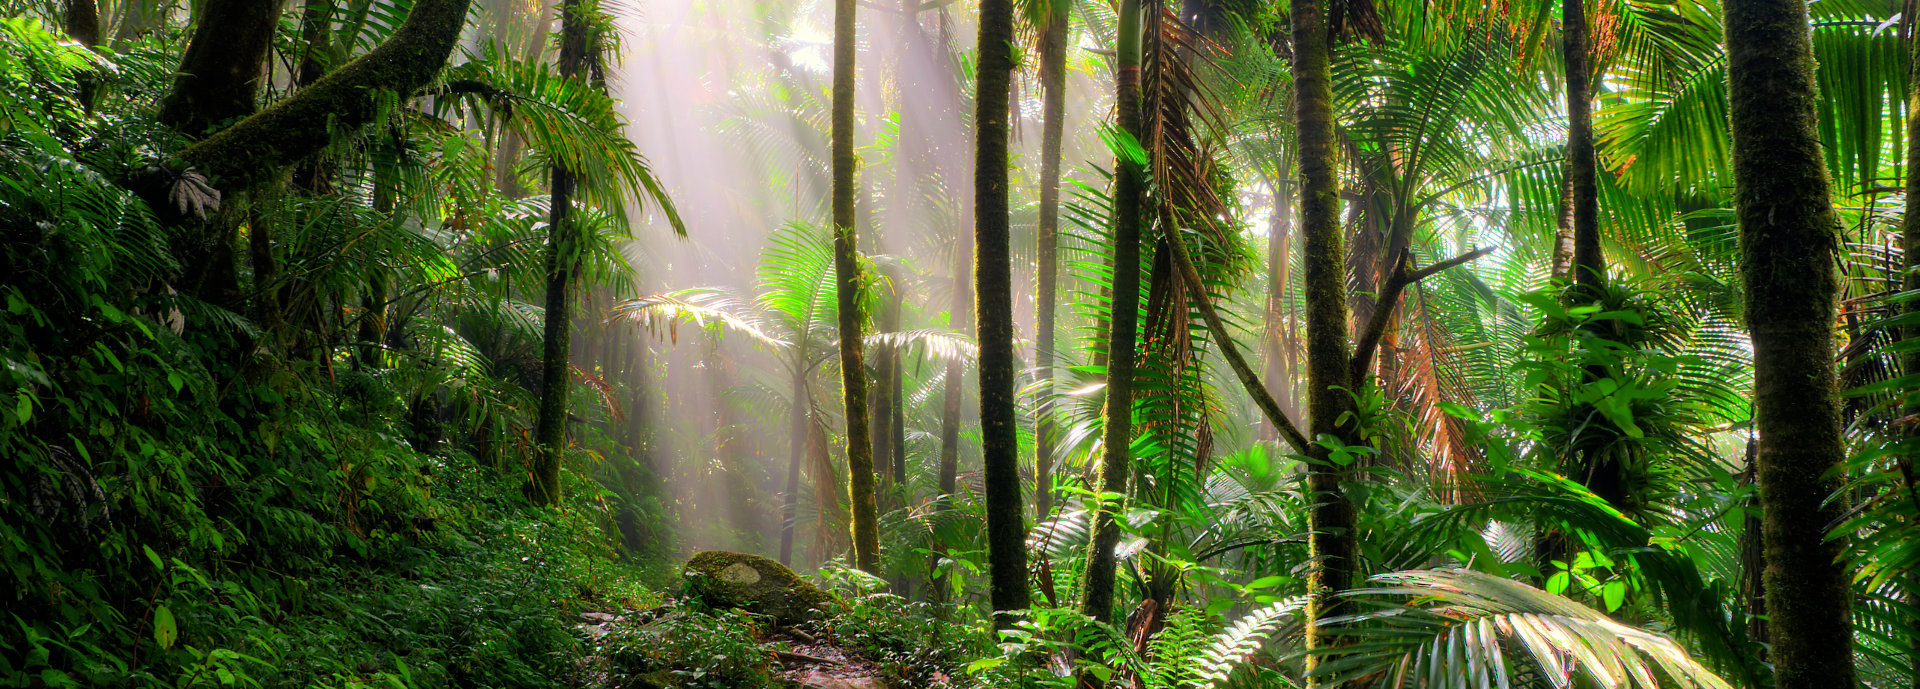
column 1390, row 297
column 1261, row 397
column 349, row 97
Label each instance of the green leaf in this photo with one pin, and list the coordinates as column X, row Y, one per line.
column 24, row 408
column 1614, row 594
column 164, row 631
column 984, row 664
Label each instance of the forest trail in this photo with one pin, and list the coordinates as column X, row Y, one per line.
column 799, row 658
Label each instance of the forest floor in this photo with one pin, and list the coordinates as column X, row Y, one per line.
column 799, row 659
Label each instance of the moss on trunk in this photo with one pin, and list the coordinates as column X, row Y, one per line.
column 219, row 76
column 550, row 431
column 1330, row 519
column 846, row 266
column 1096, row 595
column 993, row 277
column 1787, row 235
column 346, row 98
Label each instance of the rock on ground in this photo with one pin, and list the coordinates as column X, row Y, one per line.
column 758, row 585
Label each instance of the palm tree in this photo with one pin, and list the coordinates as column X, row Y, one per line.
column 1787, row 227
column 993, row 273
column 1053, row 78
column 1329, row 382
column 846, row 267
column 550, row 436
column 1588, row 269
column 1096, row 597
column 795, row 314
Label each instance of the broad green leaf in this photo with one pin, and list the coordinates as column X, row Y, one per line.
column 164, row 631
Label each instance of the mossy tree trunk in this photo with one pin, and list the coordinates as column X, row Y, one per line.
column 1053, row 81
column 846, row 266
column 1787, row 236
column 220, row 74
column 1330, row 519
column 993, row 276
column 292, row 129
column 550, row 432
column 1588, row 268
column 1096, row 596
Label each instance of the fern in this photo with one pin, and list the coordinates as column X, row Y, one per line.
column 1173, row 651
column 1231, row 646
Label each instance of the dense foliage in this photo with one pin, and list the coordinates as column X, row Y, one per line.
column 382, row 355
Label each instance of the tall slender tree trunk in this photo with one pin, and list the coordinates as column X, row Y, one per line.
column 797, row 452
column 993, row 273
column 880, row 403
column 1589, row 268
column 1096, row 596
column 1562, row 271
column 1787, row 236
column 137, row 18
column 1330, row 519
column 550, row 433
column 846, row 267
column 1276, row 333
column 1910, row 248
column 1053, row 82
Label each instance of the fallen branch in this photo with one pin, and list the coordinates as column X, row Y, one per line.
column 1261, row 398
column 1390, row 297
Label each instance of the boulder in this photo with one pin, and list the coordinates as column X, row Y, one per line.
column 758, row 585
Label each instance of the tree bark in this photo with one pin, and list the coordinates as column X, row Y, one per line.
column 550, row 434
column 1053, row 82
column 846, row 266
column 993, row 276
column 797, row 439
column 83, row 22
column 1787, row 233
column 1096, row 596
column 348, row 97
column 1589, row 268
column 1330, row 520
column 1562, row 271
column 1276, row 331
column 220, row 74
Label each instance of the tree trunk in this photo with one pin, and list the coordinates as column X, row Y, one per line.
column 1910, row 361
column 993, row 274
column 1277, row 331
column 220, row 74
column 797, row 451
column 1096, row 597
column 1562, row 274
column 1589, row 268
column 1053, row 82
column 316, row 35
column 83, row 22
column 846, row 265
column 348, row 97
column 880, row 405
column 1787, row 236
column 137, row 17
column 1330, row 520
column 550, row 434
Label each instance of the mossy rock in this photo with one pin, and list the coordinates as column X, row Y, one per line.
column 757, row 585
